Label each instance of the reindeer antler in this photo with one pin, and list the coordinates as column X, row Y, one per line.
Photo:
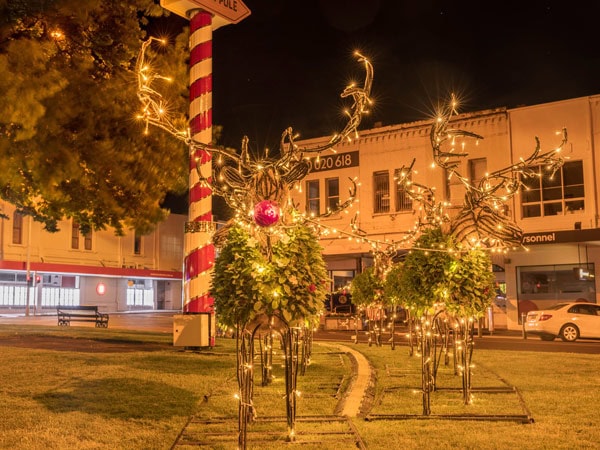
column 241, row 180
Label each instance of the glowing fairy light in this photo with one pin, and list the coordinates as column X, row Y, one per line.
column 481, row 220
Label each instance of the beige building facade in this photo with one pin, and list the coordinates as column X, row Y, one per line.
column 559, row 215
column 116, row 273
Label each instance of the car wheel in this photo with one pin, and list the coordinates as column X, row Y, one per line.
column 569, row 333
column 547, row 337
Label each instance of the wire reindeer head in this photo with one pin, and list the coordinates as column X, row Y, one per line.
column 481, row 221
column 244, row 182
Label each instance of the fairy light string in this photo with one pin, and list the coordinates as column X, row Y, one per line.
column 481, row 221
column 240, row 179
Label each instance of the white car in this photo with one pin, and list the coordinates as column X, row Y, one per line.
column 569, row 321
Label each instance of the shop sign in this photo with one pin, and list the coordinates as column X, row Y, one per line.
column 333, row 162
column 557, row 237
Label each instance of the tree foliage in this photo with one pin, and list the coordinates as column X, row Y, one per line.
column 366, row 287
column 70, row 144
column 392, row 286
column 424, row 270
column 290, row 282
column 469, row 284
column 438, row 271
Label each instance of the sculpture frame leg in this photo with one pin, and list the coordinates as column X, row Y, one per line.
column 290, row 337
column 245, row 378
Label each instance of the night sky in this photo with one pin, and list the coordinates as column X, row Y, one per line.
column 287, row 63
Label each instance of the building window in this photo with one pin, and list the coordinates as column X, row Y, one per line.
column 137, row 244
column 546, row 285
column 140, row 294
column 403, row 200
column 332, row 191
column 313, row 203
column 477, row 170
column 75, row 235
column 87, row 241
column 17, row 228
column 551, row 195
column 453, row 188
column 381, row 189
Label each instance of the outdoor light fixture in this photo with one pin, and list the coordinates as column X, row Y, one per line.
column 100, row 288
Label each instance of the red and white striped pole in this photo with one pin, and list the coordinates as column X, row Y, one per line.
column 199, row 250
column 198, row 247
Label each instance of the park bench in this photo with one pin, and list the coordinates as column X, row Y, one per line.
column 86, row 313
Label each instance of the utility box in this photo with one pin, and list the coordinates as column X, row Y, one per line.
column 191, row 330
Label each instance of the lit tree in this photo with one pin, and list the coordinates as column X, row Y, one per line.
column 467, row 292
column 368, row 294
column 366, row 290
column 69, row 145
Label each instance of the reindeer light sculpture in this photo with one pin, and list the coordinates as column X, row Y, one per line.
column 270, row 276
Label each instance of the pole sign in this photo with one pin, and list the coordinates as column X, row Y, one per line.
column 233, row 11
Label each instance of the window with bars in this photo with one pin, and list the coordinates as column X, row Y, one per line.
column 381, row 191
column 332, row 193
column 17, row 228
column 313, row 202
column 548, row 194
column 403, row 200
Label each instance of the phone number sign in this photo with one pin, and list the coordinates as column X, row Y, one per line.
column 333, row 162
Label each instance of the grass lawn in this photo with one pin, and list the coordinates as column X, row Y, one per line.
column 87, row 388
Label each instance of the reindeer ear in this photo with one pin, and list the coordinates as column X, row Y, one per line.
column 232, row 177
column 296, row 173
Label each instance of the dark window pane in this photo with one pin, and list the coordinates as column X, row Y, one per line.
column 532, row 211
column 554, row 193
column 313, row 204
column 573, row 172
column 574, row 191
column 17, row 228
column 551, row 180
column 531, row 196
column 577, row 205
column 137, row 244
column 530, row 182
column 333, row 193
column 333, row 187
column 552, row 209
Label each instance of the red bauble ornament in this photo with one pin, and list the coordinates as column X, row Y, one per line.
column 266, row 213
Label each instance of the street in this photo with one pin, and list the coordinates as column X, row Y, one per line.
column 163, row 322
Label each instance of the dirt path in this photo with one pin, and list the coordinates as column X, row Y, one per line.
column 357, row 397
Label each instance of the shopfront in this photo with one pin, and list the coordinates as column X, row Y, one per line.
column 558, row 266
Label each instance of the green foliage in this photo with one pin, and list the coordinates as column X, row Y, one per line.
column 469, row 285
column 393, row 287
column 69, row 141
column 365, row 287
column 462, row 281
column 300, row 274
column 424, row 271
column 246, row 283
